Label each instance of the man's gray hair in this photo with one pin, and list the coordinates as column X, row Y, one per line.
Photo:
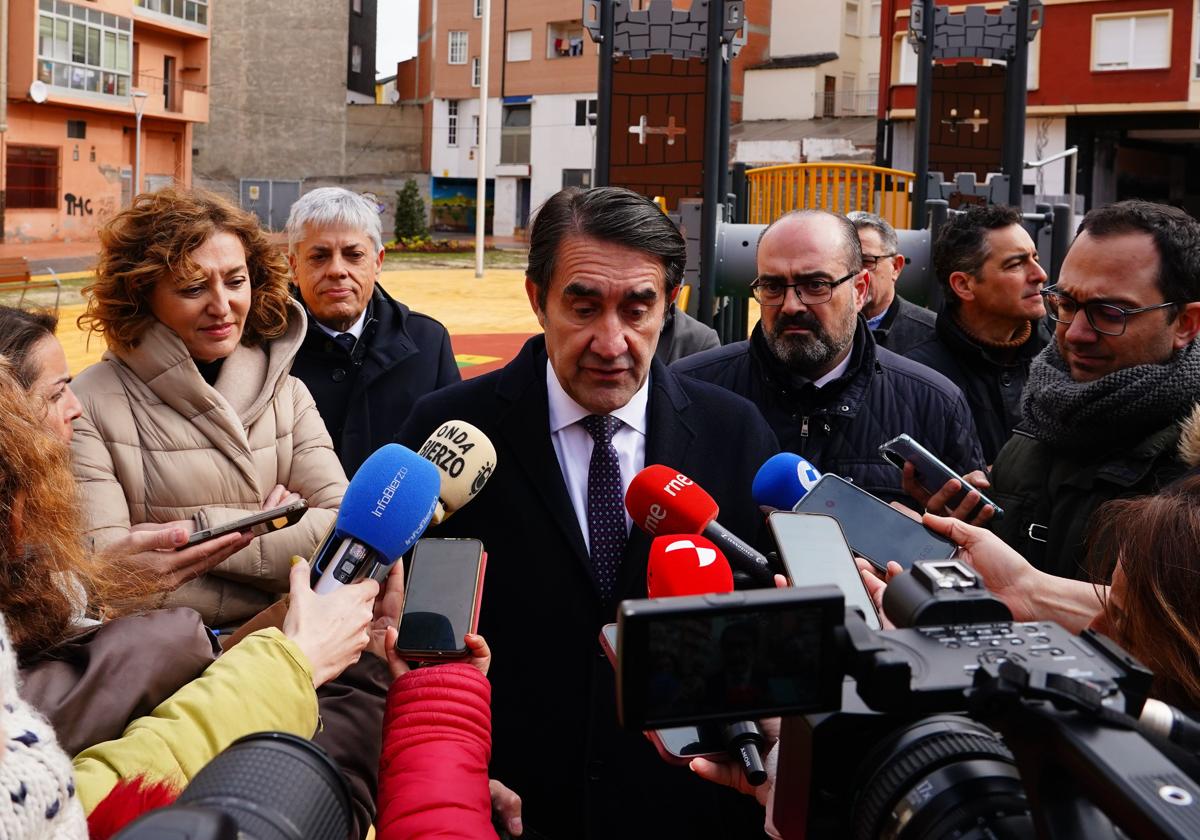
column 887, row 234
column 328, row 207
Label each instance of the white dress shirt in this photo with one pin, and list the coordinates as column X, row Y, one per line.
column 841, row 368
column 355, row 329
column 573, row 444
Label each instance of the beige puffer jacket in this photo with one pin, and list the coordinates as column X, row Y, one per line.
column 156, row 443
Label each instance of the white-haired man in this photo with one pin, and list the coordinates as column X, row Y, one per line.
column 367, row 357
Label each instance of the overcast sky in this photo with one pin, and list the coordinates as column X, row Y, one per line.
column 396, row 36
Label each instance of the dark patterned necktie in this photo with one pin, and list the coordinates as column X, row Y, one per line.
column 347, row 340
column 605, row 503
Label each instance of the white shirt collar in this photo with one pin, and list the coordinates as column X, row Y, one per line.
column 355, row 329
column 564, row 411
column 841, row 368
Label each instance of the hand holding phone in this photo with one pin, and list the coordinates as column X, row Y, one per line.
column 930, row 472
column 442, row 599
column 263, row 522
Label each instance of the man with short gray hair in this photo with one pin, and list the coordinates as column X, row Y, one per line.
column 895, row 323
column 366, row 358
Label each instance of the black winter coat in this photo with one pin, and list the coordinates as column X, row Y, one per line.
column 904, row 326
column 555, row 739
column 840, row 427
column 992, row 381
column 364, row 396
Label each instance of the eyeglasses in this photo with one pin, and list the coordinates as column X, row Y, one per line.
column 870, row 261
column 774, row 292
column 1105, row 318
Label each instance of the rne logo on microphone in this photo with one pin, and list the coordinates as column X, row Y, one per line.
column 676, row 484
column 704, row 556
column 385, row 497
column 654, row 518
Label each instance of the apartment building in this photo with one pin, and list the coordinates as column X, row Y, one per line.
column 1120, row 79
column 541, row 93
column 816, row 94
column 75, row 72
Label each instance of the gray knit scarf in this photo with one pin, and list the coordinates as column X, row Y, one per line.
column 1120, row 409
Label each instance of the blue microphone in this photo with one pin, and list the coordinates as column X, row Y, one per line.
column 783, row 480
column 387, row 506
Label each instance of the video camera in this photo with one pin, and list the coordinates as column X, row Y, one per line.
column 894, row 733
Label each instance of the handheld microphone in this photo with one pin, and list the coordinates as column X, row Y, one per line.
column 783, row 480
column 686, row 564
column 465, row 459
column 662, row 500
column 387, row 506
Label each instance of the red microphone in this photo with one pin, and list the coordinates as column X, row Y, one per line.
column 662, row 500
column 686, row 564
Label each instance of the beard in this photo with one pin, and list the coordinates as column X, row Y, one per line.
column 812, row 353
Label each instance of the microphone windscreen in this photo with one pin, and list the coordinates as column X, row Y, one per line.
column 783, row 481
column 686, row 564
column 662, row 500
column 465, row 459
column 390, row 501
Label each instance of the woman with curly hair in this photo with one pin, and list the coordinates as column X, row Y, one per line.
column 190, row 418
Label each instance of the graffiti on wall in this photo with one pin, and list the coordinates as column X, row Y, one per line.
column 77, row 205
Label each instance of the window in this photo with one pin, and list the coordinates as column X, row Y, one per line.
column 475, row 127
column 195, row 11
column 452, row 122
column 77, row 129
column 514, row 134
column 458, row 47
column 849, row 94
column 581, row 178
column 852, row 19
column 873, row 18
column 355, row 59
column 564, row 38
column 872, row 97
column 1131, row 42
column 520, row 45
column 476, row 70
column 906, row 58
column 32, row 177
column 83, row 49
column 583, row 108
column 478, row 9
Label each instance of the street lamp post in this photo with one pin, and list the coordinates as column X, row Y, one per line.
column 139, row 101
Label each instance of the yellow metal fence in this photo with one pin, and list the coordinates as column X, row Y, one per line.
column 840, row 187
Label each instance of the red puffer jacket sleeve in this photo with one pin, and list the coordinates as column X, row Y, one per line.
column 437, row 742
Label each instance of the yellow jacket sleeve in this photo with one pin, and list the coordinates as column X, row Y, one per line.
column 263, row 683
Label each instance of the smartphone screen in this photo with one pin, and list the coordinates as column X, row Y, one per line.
column 441, row 598
column 874, row 529
column 814, row 552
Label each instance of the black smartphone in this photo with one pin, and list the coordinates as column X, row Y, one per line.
column 699, row 659
column 931, row 473
column 441, row 599
column 873, row 528
column 677, row 744
column 258, row 524
column 815, row 553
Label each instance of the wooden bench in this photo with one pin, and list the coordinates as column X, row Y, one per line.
column 15, row 270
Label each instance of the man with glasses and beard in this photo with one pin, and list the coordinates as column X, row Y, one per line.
column 814, row 371
column 1106, row 400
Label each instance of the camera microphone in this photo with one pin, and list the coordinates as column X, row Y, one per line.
column 1167, row 722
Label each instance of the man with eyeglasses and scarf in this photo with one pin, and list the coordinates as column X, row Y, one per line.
column 812, row 368
column 1106, row 400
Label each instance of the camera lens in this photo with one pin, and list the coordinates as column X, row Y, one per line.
column 276, row 787
column 941, row 776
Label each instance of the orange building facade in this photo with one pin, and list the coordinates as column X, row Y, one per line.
column 67, row 155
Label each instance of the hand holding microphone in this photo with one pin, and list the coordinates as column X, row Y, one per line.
column 331, row 630
column 662, row 500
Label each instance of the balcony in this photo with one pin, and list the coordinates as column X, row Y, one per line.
column 846, row 103
column 176, row 16
column 174, row 97
column 564, row 39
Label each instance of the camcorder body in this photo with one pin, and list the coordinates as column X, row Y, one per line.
column 965, row 723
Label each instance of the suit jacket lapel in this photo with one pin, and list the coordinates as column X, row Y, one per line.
column 526, row 429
